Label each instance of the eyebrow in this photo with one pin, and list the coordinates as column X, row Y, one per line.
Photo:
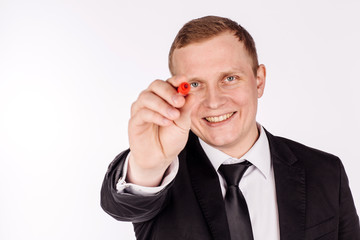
column 233, row 71
column 221, row 75
column 196, row 79
column 228, row 73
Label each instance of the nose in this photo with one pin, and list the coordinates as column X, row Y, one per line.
column 214, row 98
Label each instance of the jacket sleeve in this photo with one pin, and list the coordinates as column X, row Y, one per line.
column 349, row 227
column 126, row 206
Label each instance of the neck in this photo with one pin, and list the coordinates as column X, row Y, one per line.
column 243, row 145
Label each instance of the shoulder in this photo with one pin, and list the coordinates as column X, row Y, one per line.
column 300, row 154
column 303, row 150
column 322, row 171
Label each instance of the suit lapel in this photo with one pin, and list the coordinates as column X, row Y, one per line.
column 205, row 183
column 290, row 189
column 289, row 181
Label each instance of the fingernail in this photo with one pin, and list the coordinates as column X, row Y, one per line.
column 172, row 113
column 176, row 99
column 166, row 121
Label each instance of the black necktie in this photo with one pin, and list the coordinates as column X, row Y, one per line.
column 236, row 207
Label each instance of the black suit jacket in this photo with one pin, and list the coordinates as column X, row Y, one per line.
column 313, row 196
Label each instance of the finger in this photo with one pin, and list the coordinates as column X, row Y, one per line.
column 154, row 103
column 184, row 121
column 177, row 80
column 147, row 116
column 167, row 91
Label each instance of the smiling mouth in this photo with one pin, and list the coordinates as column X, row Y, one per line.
column 219, row 118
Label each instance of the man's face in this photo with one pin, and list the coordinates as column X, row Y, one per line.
column 226, row 91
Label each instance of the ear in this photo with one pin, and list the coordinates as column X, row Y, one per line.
column 260, row 79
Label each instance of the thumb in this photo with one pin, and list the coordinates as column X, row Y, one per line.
column 184, row 121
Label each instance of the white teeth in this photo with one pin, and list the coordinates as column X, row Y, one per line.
column 219, row 118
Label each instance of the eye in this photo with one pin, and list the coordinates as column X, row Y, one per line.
column 230, row 79
column 194, row 84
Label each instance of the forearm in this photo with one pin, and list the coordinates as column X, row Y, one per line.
column 147, row 177
column 125, row 205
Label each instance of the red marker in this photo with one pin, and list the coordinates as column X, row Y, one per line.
column 184, row 88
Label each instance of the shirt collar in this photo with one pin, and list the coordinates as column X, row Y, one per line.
column 258, row 155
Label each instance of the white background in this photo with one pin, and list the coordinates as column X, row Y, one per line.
column 69, row 71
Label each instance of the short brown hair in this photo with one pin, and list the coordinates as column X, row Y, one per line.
column 201, row 29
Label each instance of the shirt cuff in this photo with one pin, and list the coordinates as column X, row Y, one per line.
column 123, row 187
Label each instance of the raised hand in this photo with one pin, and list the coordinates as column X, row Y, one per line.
column 158, row 130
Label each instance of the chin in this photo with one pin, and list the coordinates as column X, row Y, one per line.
column 221, row 141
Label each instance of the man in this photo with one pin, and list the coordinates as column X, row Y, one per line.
column 172, row 184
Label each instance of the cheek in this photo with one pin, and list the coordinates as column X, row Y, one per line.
column 195, row 123
column 242, row 98
column 195, row 113
column 246, row 101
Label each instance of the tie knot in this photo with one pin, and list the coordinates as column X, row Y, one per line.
column 233, row 172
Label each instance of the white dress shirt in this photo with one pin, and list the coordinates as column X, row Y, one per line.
column 257, row 185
